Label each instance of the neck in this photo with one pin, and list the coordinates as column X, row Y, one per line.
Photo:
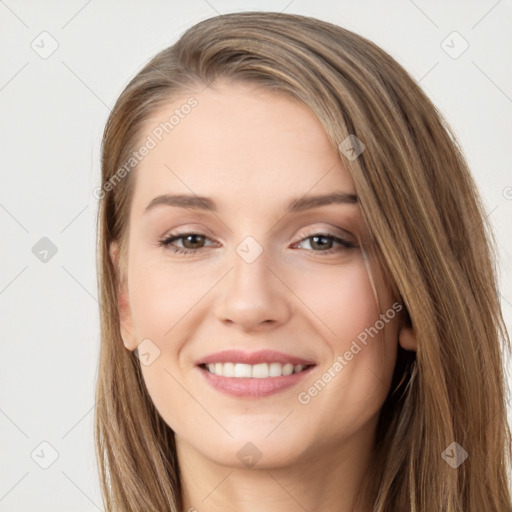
column 323, row 479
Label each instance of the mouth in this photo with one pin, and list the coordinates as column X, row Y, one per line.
column 253, row 371
column 253, row 375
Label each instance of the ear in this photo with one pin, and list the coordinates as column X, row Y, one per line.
column 123, row 303
column 407, row 338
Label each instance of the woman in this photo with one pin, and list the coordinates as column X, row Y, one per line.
column 299, row 306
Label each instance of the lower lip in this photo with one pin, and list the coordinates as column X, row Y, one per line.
column 251, row 387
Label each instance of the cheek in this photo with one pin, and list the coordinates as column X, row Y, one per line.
column 162, row 303
column 362, row 341
column 342, row 298
column 333, row 306
column 365, row 341
column 166, row 302
column 162, row 295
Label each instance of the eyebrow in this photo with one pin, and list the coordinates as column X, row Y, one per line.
column 205, row 203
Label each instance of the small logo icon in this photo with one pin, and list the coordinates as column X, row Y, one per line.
column 147, row 352
column 454, row 45
column 455, row 455
column 249, row 249
column 351, row 147
column 44, row 250
column 249, row 455
column 44, row 45
column 44, row 455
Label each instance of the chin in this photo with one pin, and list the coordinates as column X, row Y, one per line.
column 256, row 455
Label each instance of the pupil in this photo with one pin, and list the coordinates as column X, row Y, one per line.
column 196, row 239
column 316, row 238
column 193, row 238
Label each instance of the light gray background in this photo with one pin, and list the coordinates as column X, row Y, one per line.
column 52, row 115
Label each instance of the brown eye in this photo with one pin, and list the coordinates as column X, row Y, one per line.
column 192, row 241
column 323, row 243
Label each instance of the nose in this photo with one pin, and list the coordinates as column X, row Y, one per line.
column 253, row 295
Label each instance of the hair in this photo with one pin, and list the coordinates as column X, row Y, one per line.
column 430, row 237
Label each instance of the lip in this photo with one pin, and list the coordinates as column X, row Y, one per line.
column 245, row 387
column 260, row 356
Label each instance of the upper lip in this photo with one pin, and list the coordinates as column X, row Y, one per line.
column 260, row 356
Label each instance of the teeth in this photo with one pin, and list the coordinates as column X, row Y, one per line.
column 260, row 371
column 288, row 369
column 256, row 371
column 243, row 370
column 226, row 369
column 275, row 369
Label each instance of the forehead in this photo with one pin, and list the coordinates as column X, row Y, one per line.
column 237, row 143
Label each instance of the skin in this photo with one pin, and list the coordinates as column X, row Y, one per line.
column 252, row 151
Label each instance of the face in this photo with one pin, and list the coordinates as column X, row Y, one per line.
column 225, row 301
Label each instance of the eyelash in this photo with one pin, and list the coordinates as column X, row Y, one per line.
column 166, row 242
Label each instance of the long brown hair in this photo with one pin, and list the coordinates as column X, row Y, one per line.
column 431, row 238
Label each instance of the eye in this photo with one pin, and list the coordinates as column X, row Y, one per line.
column 324, row 242
column 192, row 242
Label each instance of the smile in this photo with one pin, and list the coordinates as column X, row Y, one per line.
column 253, row 375
column 256, row 371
